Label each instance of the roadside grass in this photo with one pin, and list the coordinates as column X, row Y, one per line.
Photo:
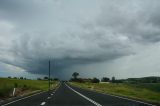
column 7, row 85
column 148, row 92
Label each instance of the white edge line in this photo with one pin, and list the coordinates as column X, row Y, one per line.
column 92, row 101
column 23, row 98
column 121, row 97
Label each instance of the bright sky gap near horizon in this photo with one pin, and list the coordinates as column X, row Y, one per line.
column 97, row 38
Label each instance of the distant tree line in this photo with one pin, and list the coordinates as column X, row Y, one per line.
column 143, row 80
column 93, row 80
column 114, row 80
column 44, row 78
column 23, row 78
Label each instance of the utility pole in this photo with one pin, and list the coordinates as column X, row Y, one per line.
column 49, row 77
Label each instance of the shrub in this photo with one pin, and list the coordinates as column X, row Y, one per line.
column 95, row 80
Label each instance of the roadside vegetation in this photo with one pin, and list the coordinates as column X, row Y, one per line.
column 23, row 86
column 146, row 89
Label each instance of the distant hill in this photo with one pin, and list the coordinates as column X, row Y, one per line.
column 150, row 79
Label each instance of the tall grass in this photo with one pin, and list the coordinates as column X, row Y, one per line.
column 146, row 92
column 7, row 85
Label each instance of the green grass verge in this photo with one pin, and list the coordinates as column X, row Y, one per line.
column 7, row 85
column 146, row 92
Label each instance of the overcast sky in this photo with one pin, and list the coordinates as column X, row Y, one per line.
column 97, row 38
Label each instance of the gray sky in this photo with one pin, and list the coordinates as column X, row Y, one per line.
column 96, row 38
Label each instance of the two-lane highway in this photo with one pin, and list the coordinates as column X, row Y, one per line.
column 67, row 95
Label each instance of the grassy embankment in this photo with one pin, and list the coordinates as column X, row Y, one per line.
column 23, row 87
column 149, row 92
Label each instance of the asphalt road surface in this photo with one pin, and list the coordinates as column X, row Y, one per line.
column 67, row 95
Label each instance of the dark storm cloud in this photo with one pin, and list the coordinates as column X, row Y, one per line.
column 33, row 32
column 35, row 60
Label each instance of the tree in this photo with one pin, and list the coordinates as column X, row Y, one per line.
column 56, row 79
column 75, row 75
column 95, row 80
column 21, row 78
column 45, row 78
column 9, row 77
column 113, row 79
column 15, row 77
column 39, row 79
column 105, row 79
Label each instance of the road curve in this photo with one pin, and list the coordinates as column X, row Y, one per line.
column 67, row 95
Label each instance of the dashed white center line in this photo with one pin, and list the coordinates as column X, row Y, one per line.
column 43, row 103
column 51, row 94
column 23, row 98
column 48, row 97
